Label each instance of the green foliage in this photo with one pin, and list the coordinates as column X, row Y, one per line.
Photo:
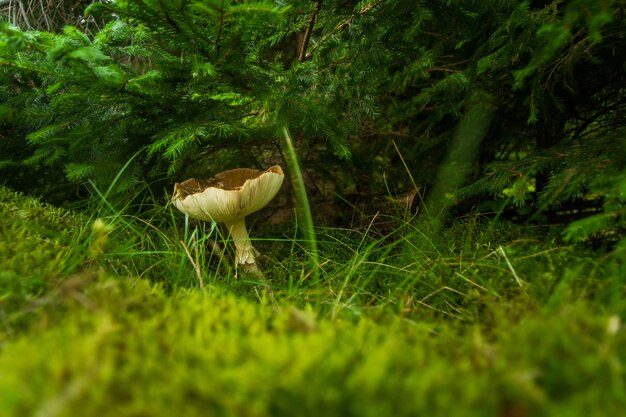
column 555, row 35
column 125, row 92
column 188, row 88
column 174, row 82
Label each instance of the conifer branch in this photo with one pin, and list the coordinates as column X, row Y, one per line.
column 341, row 26
column 219, row 29
column 169, row 19
column 307, row 35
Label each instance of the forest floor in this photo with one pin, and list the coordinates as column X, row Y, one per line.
column 113, row 314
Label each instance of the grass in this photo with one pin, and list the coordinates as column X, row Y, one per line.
column 116, row 314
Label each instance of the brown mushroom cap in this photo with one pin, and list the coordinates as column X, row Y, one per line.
column 229, row 195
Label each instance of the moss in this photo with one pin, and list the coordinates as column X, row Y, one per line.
column 38, row 247
column 139, row 351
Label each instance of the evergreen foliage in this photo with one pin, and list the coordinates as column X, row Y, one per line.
column 191, row 87
column 124, row 92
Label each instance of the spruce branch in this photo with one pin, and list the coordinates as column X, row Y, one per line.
column 341, row 26
column 168, row 18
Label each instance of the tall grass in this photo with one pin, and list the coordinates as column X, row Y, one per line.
column 303, row 209
column 414, row 267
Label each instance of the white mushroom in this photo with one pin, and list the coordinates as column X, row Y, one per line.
column 229, row 197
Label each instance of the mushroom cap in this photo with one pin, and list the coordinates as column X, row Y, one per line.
column 229, row 195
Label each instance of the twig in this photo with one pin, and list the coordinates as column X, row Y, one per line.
column 307, row 34
column 406, row 167
column 24, row 15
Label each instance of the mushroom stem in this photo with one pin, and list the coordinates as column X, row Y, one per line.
column 245, row 252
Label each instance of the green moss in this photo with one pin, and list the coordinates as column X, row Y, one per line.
column 135, row 350
column 38, row 246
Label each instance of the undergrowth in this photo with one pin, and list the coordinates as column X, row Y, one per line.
column 128, row 313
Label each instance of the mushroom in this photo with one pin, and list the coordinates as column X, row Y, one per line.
column 228, row 198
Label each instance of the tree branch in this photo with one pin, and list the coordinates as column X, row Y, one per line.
column 307, row 35
column 347, row 22
column 220, row 27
